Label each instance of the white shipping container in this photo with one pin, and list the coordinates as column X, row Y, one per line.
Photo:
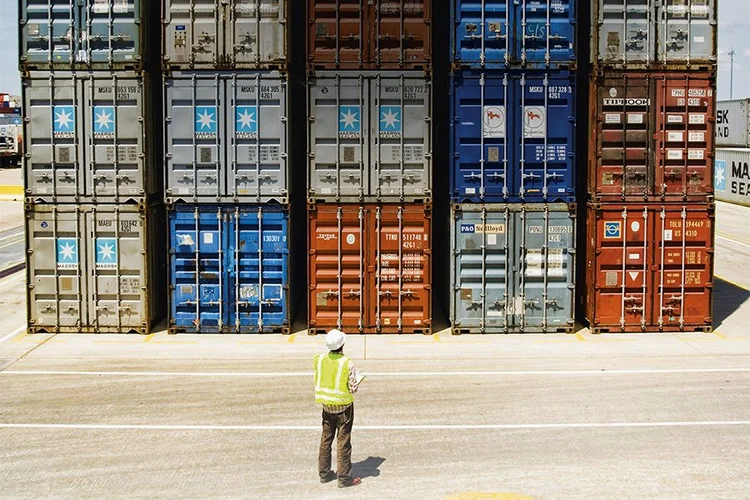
column 732, row 175
column 733, row 123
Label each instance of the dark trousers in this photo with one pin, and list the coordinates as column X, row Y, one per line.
column 333, row 423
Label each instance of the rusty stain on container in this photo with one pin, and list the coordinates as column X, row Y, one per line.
column 652, row 136
column 370, row 268
column 359, row 34
column 650, row 267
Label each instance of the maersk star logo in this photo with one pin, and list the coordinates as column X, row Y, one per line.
column 350, row 121
column 106, row 253
column 104, row 119
column 720, row 175
column 247, row 119
column 390, row 119
column 67, row 253
column 205, row 120
column 65, row 120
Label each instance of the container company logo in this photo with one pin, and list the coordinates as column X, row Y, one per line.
column 104, row 122
column 720, row 175
column 246, row 122
column 390, row 121
column 612, row 230
column 534, row 122
column 493, row 122
column 64, row 124
column 106, row 253
column 483, row 228
column 205, row 122
column 67, row 253
column 350, row 125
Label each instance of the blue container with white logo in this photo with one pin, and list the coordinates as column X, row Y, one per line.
column 495, row 34
column 513, row 136
column 229, row 269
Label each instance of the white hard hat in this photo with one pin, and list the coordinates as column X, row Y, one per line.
column 335, row 339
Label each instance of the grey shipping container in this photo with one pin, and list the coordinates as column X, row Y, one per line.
column 89, row 138
column 732, row 175
column 733, row 123
column 370, row 136
column 95, row 268
column 231, row 34
column 639, row 34
column 226, row 137
column 513, row 268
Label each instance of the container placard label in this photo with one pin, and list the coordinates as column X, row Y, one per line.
column 493, row 122
column 720, row 175
column 65, row 122
column 104, row 122
column 205, row 122
column 106, row 253
column 483, row 228
column 350, row 122
column 67, row 253
column 246, row 122
column 534, row 122
column 613, row 230
column 390, row 122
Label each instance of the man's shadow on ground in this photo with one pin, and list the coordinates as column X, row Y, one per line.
column 368, row 467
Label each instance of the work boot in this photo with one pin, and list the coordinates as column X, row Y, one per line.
column 330, row 476
column 351, row 482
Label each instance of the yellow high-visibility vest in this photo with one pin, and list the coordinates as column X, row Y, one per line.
column 332, row 379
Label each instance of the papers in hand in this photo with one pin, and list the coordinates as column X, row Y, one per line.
column 360, row 378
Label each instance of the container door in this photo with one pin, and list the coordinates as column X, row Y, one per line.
column 258, row 255
column 685, row 136
column 545, row 32
column 258, row 138
column 337, row 33
column 621, row 276
column 546, row 270
column 198, row 270
column 56, row 269
column 192, row 33
column 546, row 128
column 50, row 31
column 115, row 149
column 481, row 32
column 338, row 267
column 481, row 270
column 401, row 150
column 339, row 118
column 624, row 135
column 687, row 31
column 256, row 32
column 683, row 250
column 111, row 32
column 54, row 138
column 401, row 33
column 195, row 125
column 626, row 31
column 400, row 281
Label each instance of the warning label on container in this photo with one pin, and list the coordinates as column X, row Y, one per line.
column 612, row 118
column 534, row 122
column 697, row 137
column 493, row 123
column 131, row 285
column 536, row 262
column 697, row 119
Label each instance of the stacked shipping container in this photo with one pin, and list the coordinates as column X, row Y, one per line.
column 732, row 167
column 227, row 165
column 650, row 183
column 512, row 166
column 369, row 168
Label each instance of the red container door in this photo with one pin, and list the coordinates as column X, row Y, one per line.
column 401, row 39
column 336, row 34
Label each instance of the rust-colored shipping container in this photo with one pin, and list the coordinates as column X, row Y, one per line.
column 652, row 136
column 369, row 34
column 650, row 267
column 370, row 268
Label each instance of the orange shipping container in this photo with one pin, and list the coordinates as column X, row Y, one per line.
column 370, row 268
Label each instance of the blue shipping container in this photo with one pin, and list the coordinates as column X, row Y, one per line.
column 229, row 269
column 513, row 136
column 500, row 33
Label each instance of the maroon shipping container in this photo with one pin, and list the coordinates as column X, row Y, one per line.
column 370, row 268
column 650, row 267
column 652, row 137
column 369, row 34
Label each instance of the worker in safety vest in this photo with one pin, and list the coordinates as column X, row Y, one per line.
column 336, row 380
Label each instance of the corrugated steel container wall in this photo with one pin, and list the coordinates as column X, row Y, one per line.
column 229, row 268
column 370, row 136
column 359, row 34
column 89, row 138
column 93, row 34
column 95, row 268
column 513, row 136
column 733, row 123
column 732, row 175
column 370, row 268
column 513, row 268
column 650, row 267
column 232, row 34
column 652, row 136
column 499, row 33
column 639, row 34
column 226, row 137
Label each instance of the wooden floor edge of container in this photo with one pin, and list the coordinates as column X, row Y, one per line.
column 87, row 330
column 510, row 331
column 273, row 330
column 371, row 331
column 650, row 329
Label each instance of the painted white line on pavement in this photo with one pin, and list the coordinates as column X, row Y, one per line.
column 12, row 334
column 426, row 427
column 733, row 241
column 375, row 374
